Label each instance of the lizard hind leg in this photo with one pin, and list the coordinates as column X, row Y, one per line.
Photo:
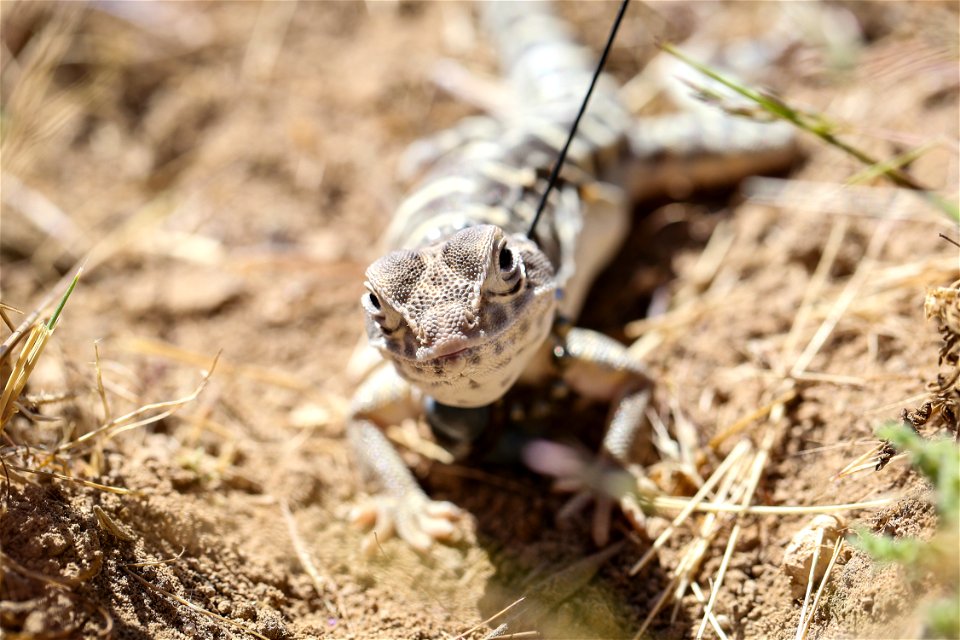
column 599, row 367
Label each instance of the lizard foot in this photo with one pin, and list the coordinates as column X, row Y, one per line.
column 418, row 520
column 598, row 480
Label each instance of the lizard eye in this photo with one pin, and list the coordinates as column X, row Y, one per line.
column 510, row 272
column 506, row 260
column 380, row 311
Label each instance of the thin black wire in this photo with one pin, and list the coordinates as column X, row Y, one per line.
column 583, row 107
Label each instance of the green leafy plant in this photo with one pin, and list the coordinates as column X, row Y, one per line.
column 939, row 461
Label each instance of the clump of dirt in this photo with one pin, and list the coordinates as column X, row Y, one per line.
column 223, row 172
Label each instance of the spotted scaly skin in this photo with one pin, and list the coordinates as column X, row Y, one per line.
column 459, row 319
column 465, row 304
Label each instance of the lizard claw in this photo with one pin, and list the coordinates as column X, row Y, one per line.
column 416, row 519
column 599, row 480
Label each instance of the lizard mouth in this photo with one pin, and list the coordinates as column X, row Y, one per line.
column 454, row 355
column 445, row 353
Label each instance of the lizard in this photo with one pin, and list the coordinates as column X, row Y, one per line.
column 465, row 305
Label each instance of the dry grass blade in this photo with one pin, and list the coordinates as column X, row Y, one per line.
column 810, row 580
column 122, row 424
column 814, row 286
column 259, row 374
column 734, row 456
column 519, row 635
column 194, row 606
column 67, row 582
column 555, row 588
column 44, row 214
column 120, row 491
column 698, row 594
column 819, row 198
column 752, row 481
column 750, row 418
column 805, row 624
column 868, row 460
column 850, row 291
column 657, row 607
column 491, row 618
column 677, row 504
column 6, row 319
column 819, row 126
column 266, row 41
column 28, row 358
column 307, row 563
column 100, row 390
column 155, row 563
column 36, row 575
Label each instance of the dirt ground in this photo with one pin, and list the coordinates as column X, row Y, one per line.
column 223, row 172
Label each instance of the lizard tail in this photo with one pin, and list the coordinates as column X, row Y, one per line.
column 549, row 73
column 536, row 51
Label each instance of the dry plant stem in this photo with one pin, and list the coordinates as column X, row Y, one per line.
column 813, row 376
column 194, row 606
column 678, row 504
column 118, row 426
column 43, row 214
column 21, row 371
column 100, row 390
column 837, row 548
column 266, row 41
column 6, row 319
column 697, row 548
column 867, row 460
column 307, row 563
column 698, row 594
column 802, row 121
column 120, row 491
column 679, row 318
column 810, row 580
column 156, row 563
column 749, row 419
column 877, row 241
column 486, row 622
column 815, row 285
column 738, row 451
column 14, row 338
column 96, row 565
column 758, row 464
column 657, row 606
column 707, row 265
column 813, row 197
column 407, row 437
column 36, row 575
column 158, row 348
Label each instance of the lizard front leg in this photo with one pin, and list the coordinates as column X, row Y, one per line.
column 599, row 368
column 403, row 507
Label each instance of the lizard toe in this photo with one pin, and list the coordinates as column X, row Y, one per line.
column 415, row 519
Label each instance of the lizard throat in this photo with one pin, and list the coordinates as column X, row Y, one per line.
column 477, row 373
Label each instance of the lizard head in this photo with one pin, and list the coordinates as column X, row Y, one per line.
column 460, row 319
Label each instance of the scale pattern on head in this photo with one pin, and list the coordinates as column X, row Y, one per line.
column 461, row 318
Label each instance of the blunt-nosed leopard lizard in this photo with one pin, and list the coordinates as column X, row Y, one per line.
column 465, row 304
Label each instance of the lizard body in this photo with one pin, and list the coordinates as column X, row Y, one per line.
column 464, row 304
